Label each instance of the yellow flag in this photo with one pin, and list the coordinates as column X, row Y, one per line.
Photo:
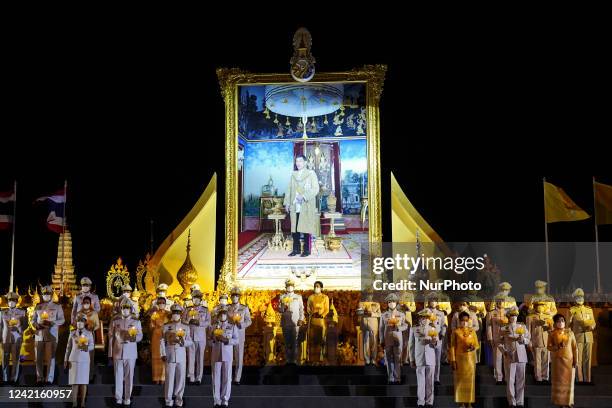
column 603, row 203
column 559, row 207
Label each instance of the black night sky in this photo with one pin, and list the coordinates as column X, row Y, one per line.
column 135, row 121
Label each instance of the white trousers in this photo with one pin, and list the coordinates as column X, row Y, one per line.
column 44, row 352
column 540, row 363
column 393, row 361
column 10, row 352
column 195, row 360
column 425, row 385
column 438, row 350
column 239, row 356
column 498, row 365
column 124, row 379
column 175, row 383
column 222, row 382
column 515, row 387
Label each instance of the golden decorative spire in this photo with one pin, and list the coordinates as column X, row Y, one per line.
column 187, row 274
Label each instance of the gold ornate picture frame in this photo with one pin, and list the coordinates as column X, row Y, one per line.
column 230, row 79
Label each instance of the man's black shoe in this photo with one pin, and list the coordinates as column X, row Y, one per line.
column 305, row 254
column 294, row 253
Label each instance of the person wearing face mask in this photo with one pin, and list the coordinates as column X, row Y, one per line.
column 77, row 360
column 175, row 339
column 495, row 320
column 78, row 299
column 392, row 324
column 12, row 323
column 422, row 348
column 582, row 323
column 93, row 325
column 317, row 307
column 464, row 307
column 46, row 319
column 198, row 319
column 462, row 356
column 408, row 306
column 440, row 324
column 539, row 325
column 158, row 317
column 550, row 306
column 222, row 305
column 126, row 294
column 123, row 334
column 562, row 346
column 223, row 338
column 504, row 290
column 369, row 311
column 162, row 291
column 291, row 307
column 515, row 337
column 240, row 315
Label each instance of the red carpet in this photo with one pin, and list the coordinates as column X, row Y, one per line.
column 246, row 236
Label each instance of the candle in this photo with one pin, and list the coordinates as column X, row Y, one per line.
column 218, row 332
column 193, row 313
column 44, row 315
column 180, row 332
column 132, row 331
column 236, row 318
column 393, row 321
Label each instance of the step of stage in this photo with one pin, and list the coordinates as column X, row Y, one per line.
column 321, row 387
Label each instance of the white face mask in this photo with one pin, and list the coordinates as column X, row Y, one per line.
column 463, row 308
column 176, row 317
column 223, row 301
column 80, row 325
column 289, row 289
column 561, row 325
column 86, row 306
column 12, row 304
column 392, row 305
column 127, row 294
column 235, row 299
column 317, row 290
column 85, row 289
column 197, row 301
column 126, row 312
column 161, row 305
column 46, row 298
column 223, row 317
column 161, row 294
column 580, row 301
column 512, row 319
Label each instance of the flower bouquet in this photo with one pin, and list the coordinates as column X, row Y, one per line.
column 13, row 322
column 83, row 342
column 132, row 331
column 218, row 332
column 236, row 318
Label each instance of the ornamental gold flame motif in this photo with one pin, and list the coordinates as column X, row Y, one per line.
column 187, row 275
column 302, row 62
column 117, row 276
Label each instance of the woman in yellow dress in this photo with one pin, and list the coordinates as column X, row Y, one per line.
column 464, row 343
column 159, row 317
column 562, row 347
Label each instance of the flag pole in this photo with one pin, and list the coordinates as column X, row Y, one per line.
column 13, row 239
column 546, row 234
column 63, row 237
column 596, row 239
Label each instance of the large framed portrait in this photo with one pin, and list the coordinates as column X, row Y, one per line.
column 302, row 195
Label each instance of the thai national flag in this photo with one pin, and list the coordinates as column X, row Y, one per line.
column 55, row 203
column 7, row 202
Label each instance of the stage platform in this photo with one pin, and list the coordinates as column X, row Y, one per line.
column 322, row 387
column 260, row 267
